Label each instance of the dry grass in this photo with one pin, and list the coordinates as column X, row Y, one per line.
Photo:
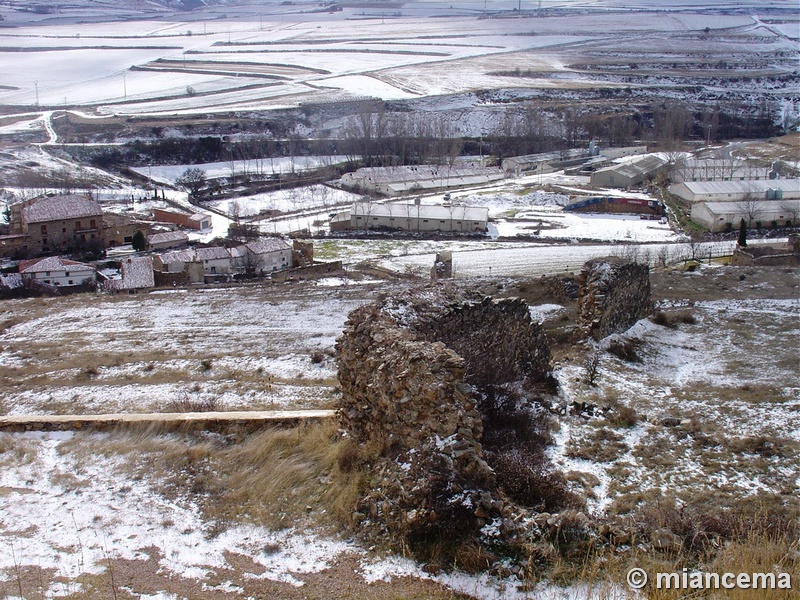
column 602, row 445
column 278, row 477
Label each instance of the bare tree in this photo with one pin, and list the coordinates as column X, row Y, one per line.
column 751, row 206
column 193, row 180
column 592, row 365
column 792, row 210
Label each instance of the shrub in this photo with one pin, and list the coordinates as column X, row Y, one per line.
column 317, row 358
column 672, row 320
column 625, row 349
column 621, row 415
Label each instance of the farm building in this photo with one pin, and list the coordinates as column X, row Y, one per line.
column 630, row 173
column 546, row 162
column 609, row 204
column 727, row 191
column 395, row 181
column 56, row 271
column 725, row 216
column 417, row 217
column 56, row 223
column 716, row 169
column 194, row 221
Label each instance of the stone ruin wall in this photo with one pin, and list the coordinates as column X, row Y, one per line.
column 407, row 388
column 614, row 294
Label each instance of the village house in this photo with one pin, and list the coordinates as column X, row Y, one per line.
column 14, row 245
column 166, row 239
column 216, row 260
column 136, row 275
column 58, row 223
column 263, row 256
column 56, row 271
column 175, row 261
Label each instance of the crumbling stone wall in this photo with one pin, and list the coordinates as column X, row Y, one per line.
column 614, row 294
column 409, row 368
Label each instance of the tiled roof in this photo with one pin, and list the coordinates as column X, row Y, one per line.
column 167, row 236
column 212, row 253
column 178, row 256
column 10, row 281
column 52, row 263
column 137, row 273
column 61, row 208
column 268, row 245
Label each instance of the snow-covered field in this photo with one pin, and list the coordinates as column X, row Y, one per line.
column 271, row 56
column 132, row 355
column 267, row 166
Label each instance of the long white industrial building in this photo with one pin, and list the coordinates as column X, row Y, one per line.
column 413, row 217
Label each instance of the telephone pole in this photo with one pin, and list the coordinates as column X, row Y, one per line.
column 36, row 86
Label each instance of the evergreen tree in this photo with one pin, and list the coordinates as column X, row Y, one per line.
column 138, row 241
column 742, row 234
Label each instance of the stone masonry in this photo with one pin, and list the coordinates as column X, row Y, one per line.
column 408, row 368
column 614, row 294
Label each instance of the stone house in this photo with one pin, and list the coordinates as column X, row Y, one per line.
column 137, row 275
column 56, row 223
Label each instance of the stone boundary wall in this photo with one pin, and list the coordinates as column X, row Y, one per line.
column 314, row 271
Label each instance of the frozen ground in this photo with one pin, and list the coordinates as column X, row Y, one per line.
column 69, row 505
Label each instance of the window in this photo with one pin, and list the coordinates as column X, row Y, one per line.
column 71, row 282
column 44, row 229
column 66, row 274
column 77, row 225
column 47, row 273
column 92, row 224
column 63, row 230
column 424, row 220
